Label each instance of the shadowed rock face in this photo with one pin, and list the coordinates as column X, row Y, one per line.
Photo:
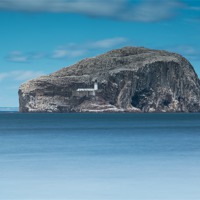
column 130, row 79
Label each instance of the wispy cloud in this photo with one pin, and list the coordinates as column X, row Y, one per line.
column 71, row 50
column 78, row 50
column 107, row 43
column 3, row 76
column 25, row 75
column 145, row 10
column 152, row 11
column 195, row 8
column 188, row 51
column 63, row 52
column 20, row 75
column 21, row 57
column 17, row 56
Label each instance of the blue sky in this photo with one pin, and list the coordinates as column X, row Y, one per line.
column 41, row 36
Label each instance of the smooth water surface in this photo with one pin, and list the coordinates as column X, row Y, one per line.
column 99, row 156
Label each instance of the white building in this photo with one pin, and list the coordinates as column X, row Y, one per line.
column 90, row 91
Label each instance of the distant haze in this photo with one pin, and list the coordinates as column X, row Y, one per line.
column 9, row 108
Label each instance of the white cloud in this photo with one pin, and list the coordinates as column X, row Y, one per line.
column 77, row 50
column 188, row 51
column 3, row 76
column 71, row 50
column 108, row 43
column 64, row 53
column 197, row 8
column 18, row 56
column 25, row 75
column 60, row 53
column 90, row 7
column 153, row 10
column 145, row 11
column 36, row 56
column 20, row 75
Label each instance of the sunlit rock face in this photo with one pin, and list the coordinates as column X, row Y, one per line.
column 131, row 79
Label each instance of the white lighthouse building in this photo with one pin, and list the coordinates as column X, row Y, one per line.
column 90, row 91
column 95, row 85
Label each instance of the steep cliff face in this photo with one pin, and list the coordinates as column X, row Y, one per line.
column 130, row 79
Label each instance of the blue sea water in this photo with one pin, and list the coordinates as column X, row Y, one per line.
column 99, row 156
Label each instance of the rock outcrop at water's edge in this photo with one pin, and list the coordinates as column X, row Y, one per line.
column 130, row 79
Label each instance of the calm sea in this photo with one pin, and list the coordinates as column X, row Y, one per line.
column 99, row 156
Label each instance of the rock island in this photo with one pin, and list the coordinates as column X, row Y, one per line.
column 130, row 79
